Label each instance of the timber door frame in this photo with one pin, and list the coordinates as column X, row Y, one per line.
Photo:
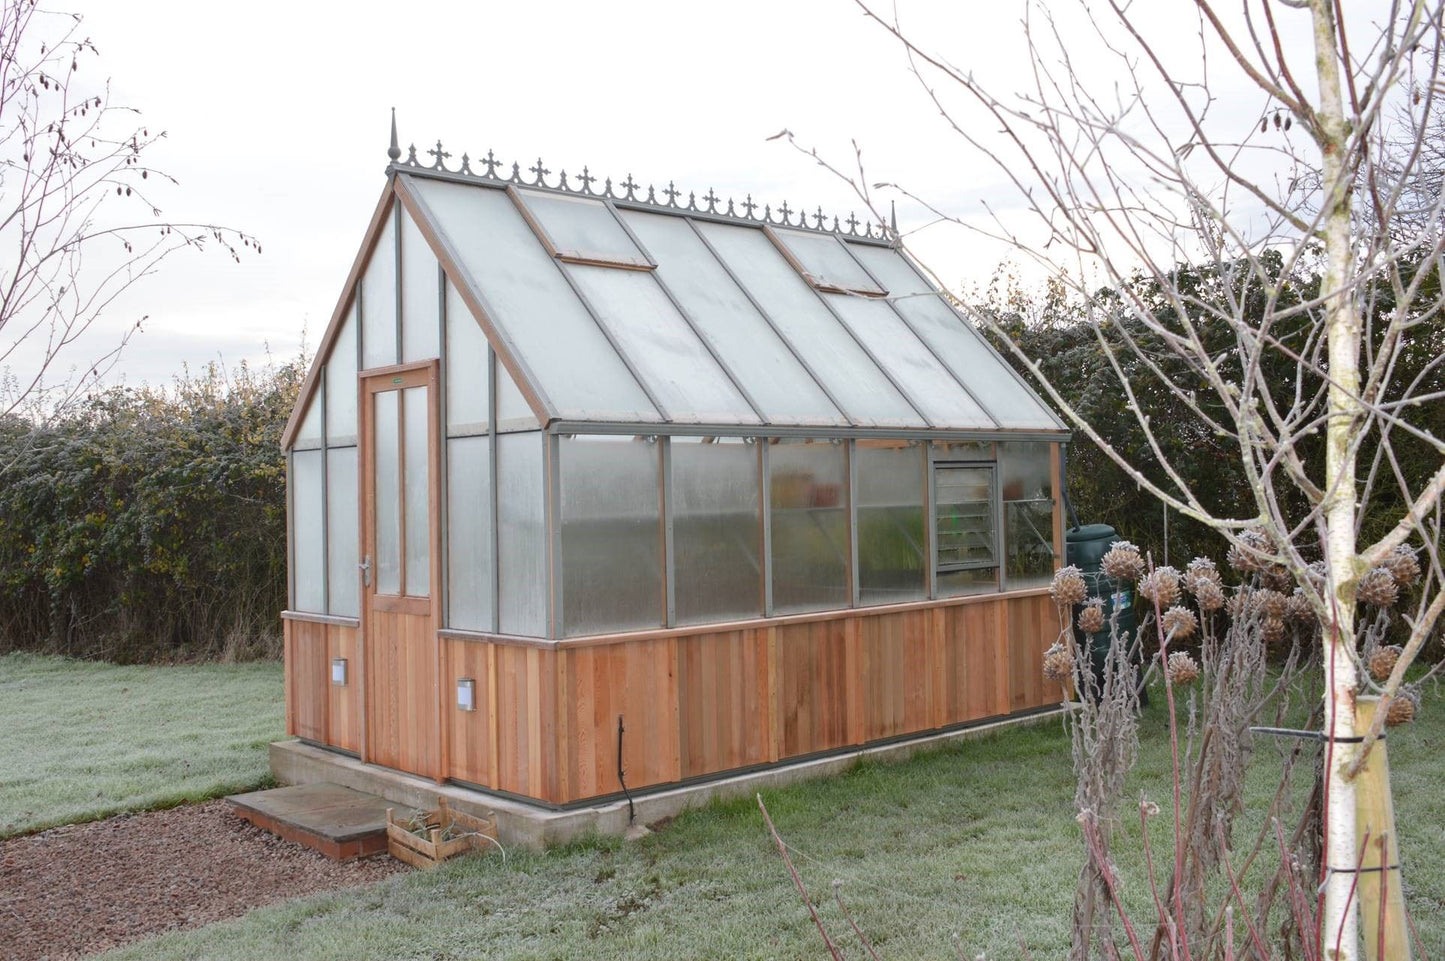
column 370, row 382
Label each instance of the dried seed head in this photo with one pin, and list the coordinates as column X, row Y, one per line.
column 1382, row 662
column 1091, row 618
column 1180, row 623
column 1401, row 710
column 1318, row 573
column 1058, row 663
column 1244, row 556
column 1201, row 571
column 1272, row 630
column 1241, row 603
column 1299, row 607
column 1209, row 596
column 1161, row 586
column 1271, row 603
column 1122, row 562
column 1182, row 669
column 1277, row 578
column 1068, row 587
column 1403, row 566
column 1378, row 588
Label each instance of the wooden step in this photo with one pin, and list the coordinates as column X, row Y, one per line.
column 337, row 821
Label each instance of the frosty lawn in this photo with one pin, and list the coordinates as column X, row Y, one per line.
column 977, row 839
column 82, row 740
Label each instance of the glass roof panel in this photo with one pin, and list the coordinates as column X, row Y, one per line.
column 530, row 302
column 825, row 261
column 830, row 352
column 678, row 369
column 927, row 383
column 582, row 229
column 752, row 351
column 957, row 344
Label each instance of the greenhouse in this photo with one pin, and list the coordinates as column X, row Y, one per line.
column 579, row 459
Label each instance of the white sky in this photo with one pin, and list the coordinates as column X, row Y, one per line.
column 276, row 115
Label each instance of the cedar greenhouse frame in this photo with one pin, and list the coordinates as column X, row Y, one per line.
column 586, row 481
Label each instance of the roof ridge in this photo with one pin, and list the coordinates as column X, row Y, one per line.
column 630, row 192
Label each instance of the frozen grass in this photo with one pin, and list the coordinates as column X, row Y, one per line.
column 977, row 840
column 82, row 740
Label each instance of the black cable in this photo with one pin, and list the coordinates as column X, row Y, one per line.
column 631, row 812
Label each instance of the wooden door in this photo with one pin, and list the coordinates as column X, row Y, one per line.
column 401, row 566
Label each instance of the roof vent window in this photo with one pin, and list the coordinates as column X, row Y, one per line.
column 825, row 262
column 581, row 231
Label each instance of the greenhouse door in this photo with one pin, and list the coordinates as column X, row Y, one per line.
column 400, row 470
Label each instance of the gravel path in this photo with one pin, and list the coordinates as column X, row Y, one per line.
column 84, row 888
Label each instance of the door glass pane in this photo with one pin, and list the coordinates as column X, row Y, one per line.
column 341, row 385
column 891, row 554
column 716, row 536
column 809, row 517
column 611, row 535
column 308, row 537
column 469, row 534
column 342, row 543
column 417, row 492
column 466, row 360
column 964, row 521
column 388, row 492
column 378, row 301
column 521, row 535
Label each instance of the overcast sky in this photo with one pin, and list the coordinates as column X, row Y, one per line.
column 276, row 118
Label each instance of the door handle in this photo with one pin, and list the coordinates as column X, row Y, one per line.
column 366, row 571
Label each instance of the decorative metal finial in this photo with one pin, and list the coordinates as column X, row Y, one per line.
column 394, row 151
column 893, row 218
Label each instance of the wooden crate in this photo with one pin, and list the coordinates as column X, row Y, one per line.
column 428, row 852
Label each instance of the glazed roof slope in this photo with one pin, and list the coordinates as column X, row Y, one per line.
column 620, row 307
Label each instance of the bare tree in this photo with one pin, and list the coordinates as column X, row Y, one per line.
column 78, row 226
column 1131, row 170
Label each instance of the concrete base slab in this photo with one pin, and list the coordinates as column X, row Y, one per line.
column 340, row 822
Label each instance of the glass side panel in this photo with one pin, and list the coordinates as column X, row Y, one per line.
column 716, row 529
column 927, row 382
column 830, row 352
column 891, row 543
column 826, row 261
column 308, row 532
column 678, row 369
column 387, row 562
column 417, row 491
column 469, row 534
column 1028, row 501
column 521, row 535
column 513, row 411
column 807, row 484
column 341, row 384
column 611, row 534
column 752, row 352
column 977, row 580
column 466, row 369
column 343, row 543
column 578, row 227
column 420, row 295
column 309, row 433
column 577, row 369
column 964, row 515
column 378, row 301
column 962, row 450
column 956, row 342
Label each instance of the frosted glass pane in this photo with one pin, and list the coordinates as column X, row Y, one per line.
column 420, row 296
column 927, row 382
column 530, row 301
column 417, row 494
column 522, row 535
column 469, row 534
column 1028, row 494
column 513, row 411
column 716, row 529
column 308, row 532
column 809, row 518
column 891, row 553
column 757, row 358
column 826, row 261
column 679, row 371
column 578, row 227
column 848, row 372
column 611, row 535
column 466, row 362
column 378, row 301
column 342, row 541
column 309, row 433
column 957, row 343
column 962, row 450
column 964, row 515
column 979, row 580
column 341, row 384
column 387, row 562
